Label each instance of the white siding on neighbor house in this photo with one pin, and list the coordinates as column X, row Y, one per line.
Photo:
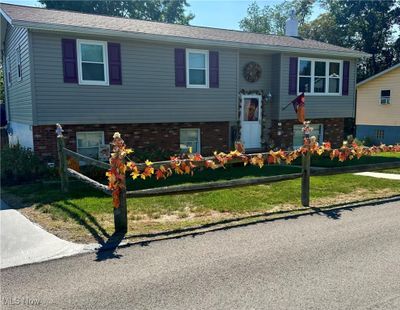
column 19, row 94
column 317, row 106
column 21, row 134
column 147, row 94
column 369, row 109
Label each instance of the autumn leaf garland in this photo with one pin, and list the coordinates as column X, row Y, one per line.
column 187, row 163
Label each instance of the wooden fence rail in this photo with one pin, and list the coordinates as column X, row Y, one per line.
column 87, row 160
column 210, row 186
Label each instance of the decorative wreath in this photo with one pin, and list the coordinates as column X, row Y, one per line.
column 252, row 72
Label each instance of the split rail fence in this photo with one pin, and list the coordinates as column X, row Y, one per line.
column 120, row 213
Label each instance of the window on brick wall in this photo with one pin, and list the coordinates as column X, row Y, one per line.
column 298, row 134
column 190, row 138
column 89, row 142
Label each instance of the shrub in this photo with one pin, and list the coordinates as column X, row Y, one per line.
column 19, row 165
column 152, row 153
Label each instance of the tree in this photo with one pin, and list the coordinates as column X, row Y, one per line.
column 363, row 25
column 272, row 19
column 257, row 19
column 169, row 11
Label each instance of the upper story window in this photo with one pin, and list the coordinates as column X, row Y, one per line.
column 197, row 68
column 8, row 70
column 92, row 62
column 385, row 96
column 319, row 76
column 19, row 63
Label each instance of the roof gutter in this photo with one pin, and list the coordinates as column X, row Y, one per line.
column 175, row 39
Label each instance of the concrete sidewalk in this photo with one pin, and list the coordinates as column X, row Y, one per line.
column 23, row 242
column 380, row 175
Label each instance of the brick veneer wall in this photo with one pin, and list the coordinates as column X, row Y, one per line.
column 333, row 131
column 213, row 135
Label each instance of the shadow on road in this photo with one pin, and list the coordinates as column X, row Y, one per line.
column 108, row 249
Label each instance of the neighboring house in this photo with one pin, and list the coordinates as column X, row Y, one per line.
column 378, row 107
column 164, row 85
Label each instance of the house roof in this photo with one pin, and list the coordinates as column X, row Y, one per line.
column 55, row 20
column 379, row 74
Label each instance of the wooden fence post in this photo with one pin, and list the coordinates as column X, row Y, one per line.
column 62, row 159
column 121, row 213
column 117, row 161
column 305, row 179
column 305, row 167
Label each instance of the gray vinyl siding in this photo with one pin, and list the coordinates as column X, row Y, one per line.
column 268, row 82
column 317, row 106
column 19, row 93
column 275, row 85
column 147, row 94
column 264, row 83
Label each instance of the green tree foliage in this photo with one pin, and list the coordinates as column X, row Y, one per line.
column 169, row 11
column 367, row 26
column 271, row 19
column 364, row 25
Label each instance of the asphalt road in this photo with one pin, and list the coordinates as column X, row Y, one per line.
column 342, row 260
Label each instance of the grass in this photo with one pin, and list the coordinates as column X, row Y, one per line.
column 86, row 215
column 324, row 161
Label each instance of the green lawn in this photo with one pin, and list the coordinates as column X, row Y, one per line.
column 86, row 215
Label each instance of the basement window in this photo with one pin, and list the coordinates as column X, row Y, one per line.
column 318, row 132
column 190, row 138
column 380, row 134
column 88, row 143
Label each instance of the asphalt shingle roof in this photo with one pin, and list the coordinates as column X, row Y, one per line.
column 31, row 16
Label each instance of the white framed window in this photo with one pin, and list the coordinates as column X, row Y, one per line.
column 190, row 138
column 385, row 96
column 89, row 142
column 92, row 62
column 318, row 132
column 19, row 63
column 319, row 76
column 8, row 70
column 197, row 68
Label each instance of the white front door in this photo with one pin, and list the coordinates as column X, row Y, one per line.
column 250, row 118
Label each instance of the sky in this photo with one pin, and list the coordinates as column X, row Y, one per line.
column 211, row 13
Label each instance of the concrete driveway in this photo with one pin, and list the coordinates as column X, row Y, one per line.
column 23, row 242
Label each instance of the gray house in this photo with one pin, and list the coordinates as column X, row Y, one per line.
column 166, row 86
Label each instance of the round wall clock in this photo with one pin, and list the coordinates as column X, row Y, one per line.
column 252, row 72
